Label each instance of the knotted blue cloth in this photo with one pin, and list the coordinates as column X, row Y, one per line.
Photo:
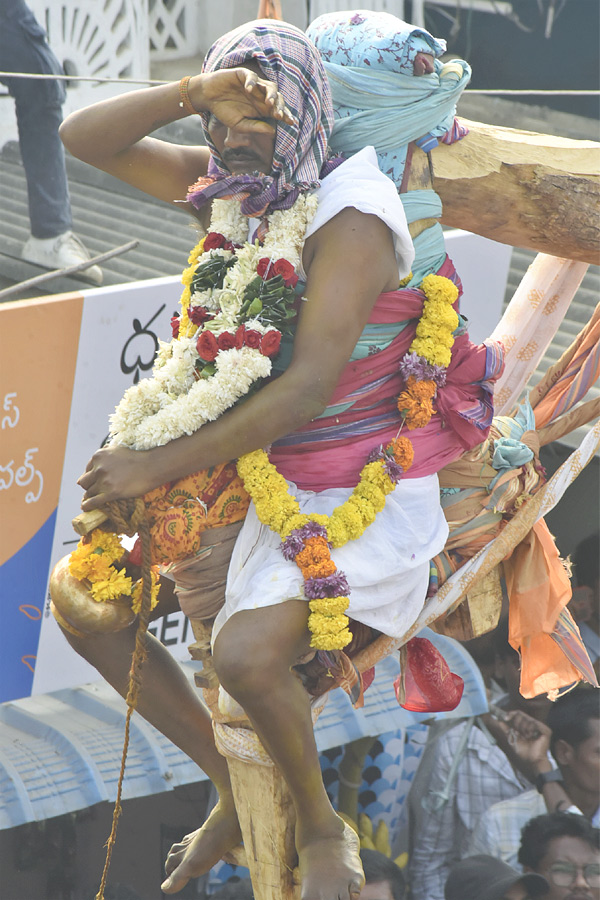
column 509, row 451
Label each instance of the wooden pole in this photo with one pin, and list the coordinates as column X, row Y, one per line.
column 520, row 188
column 262, row 800
column 267, row 818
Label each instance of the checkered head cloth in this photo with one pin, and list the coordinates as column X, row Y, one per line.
column 288, row 58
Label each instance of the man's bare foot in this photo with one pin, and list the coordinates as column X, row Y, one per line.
column 330, row 867
column 202, row 849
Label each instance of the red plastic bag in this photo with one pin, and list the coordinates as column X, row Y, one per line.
column 426, row 683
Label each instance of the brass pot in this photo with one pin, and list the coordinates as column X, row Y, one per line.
column 76, row 610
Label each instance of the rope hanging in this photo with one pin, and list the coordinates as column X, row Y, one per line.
column 128, row 517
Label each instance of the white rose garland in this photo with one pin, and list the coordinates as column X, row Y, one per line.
column 173, row 402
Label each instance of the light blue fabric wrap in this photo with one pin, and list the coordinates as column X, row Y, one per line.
column 389, row 110
column 368, row 38
column 430, row 250
column 369, row 59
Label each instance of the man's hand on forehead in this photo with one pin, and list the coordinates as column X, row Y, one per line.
column 262, row 89
column 240, row 98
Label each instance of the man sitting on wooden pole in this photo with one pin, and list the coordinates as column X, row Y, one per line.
column 287, row 220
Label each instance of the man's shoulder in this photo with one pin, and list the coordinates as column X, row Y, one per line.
column 477, row 739
column 522, row 806
column 503, row 821
column 361, row 168
column 359, row 183
column 498, row 830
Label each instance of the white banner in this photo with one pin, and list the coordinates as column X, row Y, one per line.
column 120, row 327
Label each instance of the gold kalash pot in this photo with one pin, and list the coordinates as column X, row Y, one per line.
column 75, row 609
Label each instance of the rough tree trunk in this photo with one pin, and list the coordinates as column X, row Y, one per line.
column 521, row 188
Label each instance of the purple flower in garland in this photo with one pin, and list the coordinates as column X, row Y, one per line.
column 415, row 365
column 335, row 585
column 375, row 454
column 357, row 19
column 292, row 545
column 438, row 374
column 394, row 471
column 312, row 529
column 294, row 542
column 419, row 368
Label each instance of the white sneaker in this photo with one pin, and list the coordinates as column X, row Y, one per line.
column 60, row 252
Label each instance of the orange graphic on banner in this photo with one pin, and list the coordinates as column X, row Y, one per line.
column 38, row 352
column 31, row 611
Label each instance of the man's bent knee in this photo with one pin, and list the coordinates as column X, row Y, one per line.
column 243, row 670
column 253, row 649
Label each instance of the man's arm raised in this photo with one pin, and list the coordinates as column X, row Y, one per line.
column 350, row 261
column 113, row 135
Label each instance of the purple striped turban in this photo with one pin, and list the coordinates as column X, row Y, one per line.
column 289, row 59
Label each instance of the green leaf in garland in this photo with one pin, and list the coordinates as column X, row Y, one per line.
column 206, row 370
column 211, row 273
column 255, row 308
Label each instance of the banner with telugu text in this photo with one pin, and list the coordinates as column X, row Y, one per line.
column 65, row 363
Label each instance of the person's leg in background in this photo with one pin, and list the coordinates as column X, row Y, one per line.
column 38, row 102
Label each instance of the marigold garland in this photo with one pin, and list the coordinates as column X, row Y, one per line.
column 433, row 341
column 307, row 539
column 95, row 561
column 403, row 452
column 416, row 402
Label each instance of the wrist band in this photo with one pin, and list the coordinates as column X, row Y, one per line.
column 184, row 97
column 547, row 777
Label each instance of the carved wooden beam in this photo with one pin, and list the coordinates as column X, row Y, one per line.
column 529, row 190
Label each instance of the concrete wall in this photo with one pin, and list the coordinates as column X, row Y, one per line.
column 217, row 18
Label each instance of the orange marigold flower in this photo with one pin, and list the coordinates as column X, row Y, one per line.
column 404, row 452
column 321, row 570
column 417, row 415
column 315, row 551
column 415, row 403
column 422, row 389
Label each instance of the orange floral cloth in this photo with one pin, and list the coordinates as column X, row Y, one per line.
column 181, row 510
